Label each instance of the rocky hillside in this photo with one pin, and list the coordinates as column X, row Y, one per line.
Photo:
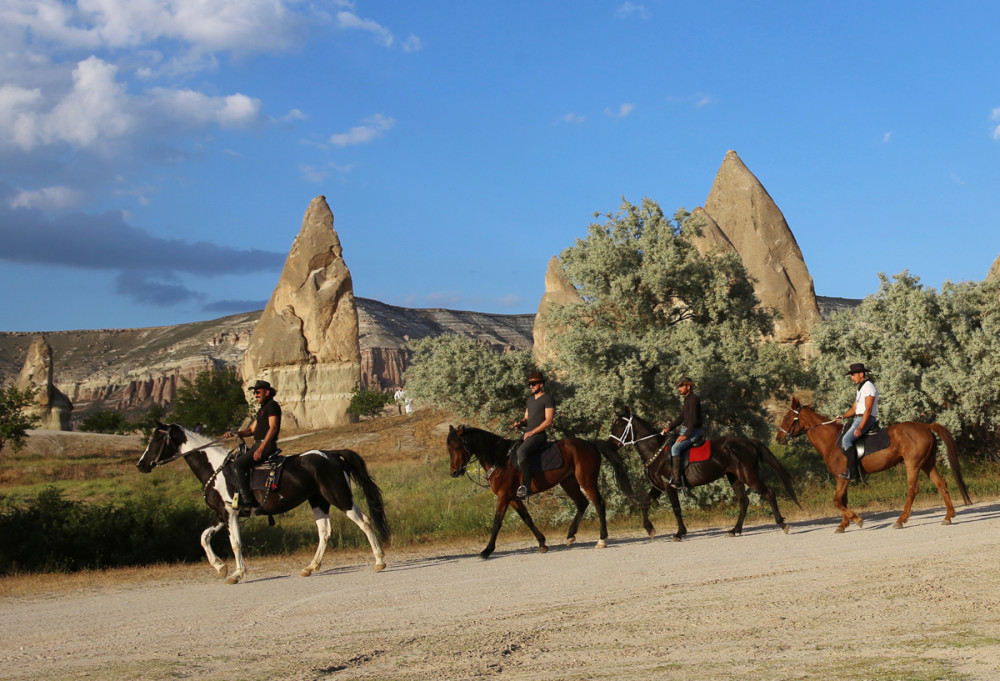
column 129, row 369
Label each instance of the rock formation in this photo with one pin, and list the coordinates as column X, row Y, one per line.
column 559, row 290
column 743, row 217
column 994, row 273
column 51, row 406
column 306, row 342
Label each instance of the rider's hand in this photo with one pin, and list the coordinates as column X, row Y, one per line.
column 258, row 454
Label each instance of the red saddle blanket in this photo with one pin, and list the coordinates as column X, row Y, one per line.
column 700, row 453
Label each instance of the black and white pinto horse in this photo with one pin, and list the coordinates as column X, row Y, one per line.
column 323, row 478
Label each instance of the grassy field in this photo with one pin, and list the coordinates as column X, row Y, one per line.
column 408, row 459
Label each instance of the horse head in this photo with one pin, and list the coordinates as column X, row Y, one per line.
column 622, row 428
column 458, row 450
column 791, row 425
column 164, row 445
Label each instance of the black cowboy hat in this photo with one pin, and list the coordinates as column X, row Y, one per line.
column 262, row 385
column 857, row 368
column 685, row 381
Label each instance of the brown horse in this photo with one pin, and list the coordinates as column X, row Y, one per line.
column 581, row 467
column 738, row 458
column 910, row 442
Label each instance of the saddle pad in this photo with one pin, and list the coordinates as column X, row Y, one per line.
column 700, row 453
column 874, row 442
column 548, row 459
column 267, row 476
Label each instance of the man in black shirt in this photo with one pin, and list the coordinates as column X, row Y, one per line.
column 265, row 430
column 539, row 412
column 690, row 416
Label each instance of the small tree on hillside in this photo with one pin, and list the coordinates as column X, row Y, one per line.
column 14, row 423
column 216, row 399
column 368, row 403
column 107, row 421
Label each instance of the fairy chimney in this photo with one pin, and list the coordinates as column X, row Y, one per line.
column 994, row 273
column 744, row 218
column 51, row 406
column 306, row 342
column 559, row 290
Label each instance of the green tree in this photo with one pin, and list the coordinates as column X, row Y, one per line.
column 934, row 356
column 14, row 422
column 216, row 399
column 107, row 421
column 483, row 387
column 655, row 310
column 368, row 403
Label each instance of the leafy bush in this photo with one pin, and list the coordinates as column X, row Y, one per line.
column 107, row 421
column 14, row 423
column 368, row 403
column 216, row 399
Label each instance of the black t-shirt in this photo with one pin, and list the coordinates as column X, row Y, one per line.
column 268, row 409
column 536, row 409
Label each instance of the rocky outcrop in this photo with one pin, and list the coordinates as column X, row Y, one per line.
column 559, row 290
column 306, row 342
column 743, row 217
column 51, row 406
column 994, row 273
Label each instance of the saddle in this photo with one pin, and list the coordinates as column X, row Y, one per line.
column 267, row 474
column 875, row 439
column 547, row 459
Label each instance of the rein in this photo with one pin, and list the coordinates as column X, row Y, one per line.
column 488, row 471
column 179, row 455
column 789, row 434
column 630, row 432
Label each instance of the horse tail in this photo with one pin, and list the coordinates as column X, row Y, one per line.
column 356, row 467
column 610, row 453
column 949, row 443
column 771, row 460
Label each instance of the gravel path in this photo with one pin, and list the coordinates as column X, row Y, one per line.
column 875, row 603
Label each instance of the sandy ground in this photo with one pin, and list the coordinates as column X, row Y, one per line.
column 875, row 603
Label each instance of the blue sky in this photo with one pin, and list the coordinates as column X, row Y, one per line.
column 157, row 156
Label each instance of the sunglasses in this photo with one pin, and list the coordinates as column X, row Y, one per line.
column 534, row 382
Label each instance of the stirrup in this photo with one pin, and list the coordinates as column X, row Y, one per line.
column 522, row 492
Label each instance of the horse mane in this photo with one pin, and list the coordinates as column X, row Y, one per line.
column 487, row 446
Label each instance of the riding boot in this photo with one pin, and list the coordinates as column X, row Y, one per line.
column 247, row 501
column 524, row 491
column 675, row 479
column 853, row 472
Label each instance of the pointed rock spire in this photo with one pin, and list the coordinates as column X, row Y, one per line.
column 51, row 406
column 559, row 290
column 745, row 218
column 306, row 342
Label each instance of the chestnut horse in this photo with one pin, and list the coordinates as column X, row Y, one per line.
column 738, row 458
column 323, row 478
column 581, row 467
column 910, row 442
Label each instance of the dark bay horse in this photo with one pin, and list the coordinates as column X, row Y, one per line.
column 581, row 467
column 737, row 458
column 323, row 478
column 910, row 442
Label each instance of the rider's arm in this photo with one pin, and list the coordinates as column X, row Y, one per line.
column 869, row 401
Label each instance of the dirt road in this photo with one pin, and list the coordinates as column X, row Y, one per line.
column 875, row 603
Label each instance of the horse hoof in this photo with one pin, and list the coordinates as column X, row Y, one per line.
column 485, row 554
column 601, row 544
column 305, row 572
column 946, row 521
column 839, row 530
column 379, row 567
column 897, row 526
column 222, row 571
column 543, row 549
column 730, row 534
column 861, row 523
column 675, row 538
column 652, row 534
column 570, row 541
column 233, row 580
column 784, row 528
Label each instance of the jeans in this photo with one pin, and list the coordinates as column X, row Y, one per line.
column 682, row 446
column 850, row 438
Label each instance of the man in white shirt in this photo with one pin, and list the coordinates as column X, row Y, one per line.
column 864, row 410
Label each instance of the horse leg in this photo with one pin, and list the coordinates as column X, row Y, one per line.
column 237, row 545
column 675, row 503
column 362, row 521
column 324, row 530
column 206, row 544
column 942, row 486
column 522, row 511
column 912, row 480
column 654, row 494
column 744, row 502
column 760, row 488
column 572, row 489
column 840, row 502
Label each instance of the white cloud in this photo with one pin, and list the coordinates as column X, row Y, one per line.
column 95, row 110
column 631, row 9
column 623, row 111
column 373, row 128
column 351, row 20
column 887, row 137
column 412, row 44
column 996, row 117
column 573, row 118
column 51, row 198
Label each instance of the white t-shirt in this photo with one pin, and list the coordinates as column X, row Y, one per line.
column 867, row 389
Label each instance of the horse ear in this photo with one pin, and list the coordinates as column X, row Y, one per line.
column 451, row 429
column 460, row 431
column 795, row 403
column 160, row 425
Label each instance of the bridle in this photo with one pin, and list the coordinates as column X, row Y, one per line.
column 789, row 434
column 178, row 454
column 465, row 463
column 630, row 432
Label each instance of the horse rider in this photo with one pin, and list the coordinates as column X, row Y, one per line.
column 690, row 417
column 265, row 430
column 864, row 410
column 539, row 411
